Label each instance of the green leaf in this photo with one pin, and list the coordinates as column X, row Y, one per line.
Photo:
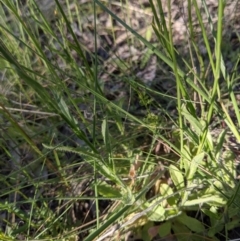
column 210, row 199
column 166, row 190
column 194, row 165
column 192, row 223
column 186, row 154
column 108, row 191
column 127, row 196
column 164, row 229
column 216, row 229
column 177, row 177
column 104, row 125
column 63, row 108
column 213, row 214
column 157, row 213
column 149, row 33
column 181, row 231
column 148, row 231
column 171, row 213
column 194, row 122
column 209, row 140
column 5, row 237
column 78, row 150
column 233, row 224
column 219, row 146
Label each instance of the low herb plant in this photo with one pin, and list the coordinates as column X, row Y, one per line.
column 64, row 144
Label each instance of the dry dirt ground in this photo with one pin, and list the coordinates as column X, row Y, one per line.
column 117, row 43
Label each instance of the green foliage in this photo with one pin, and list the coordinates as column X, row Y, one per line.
column 61, row 131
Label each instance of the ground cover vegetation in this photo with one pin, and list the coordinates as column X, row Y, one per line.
column 119, row 120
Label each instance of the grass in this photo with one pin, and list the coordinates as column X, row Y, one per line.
column 79, row 164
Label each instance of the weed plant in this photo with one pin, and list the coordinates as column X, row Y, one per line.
column 76, row 165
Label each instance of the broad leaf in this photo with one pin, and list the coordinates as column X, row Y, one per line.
column 177, row 177
column 108, row 191
column 194, row 166
column 192, row 223
column 157, row 213
column 181, row 231
column 166, row 190
column 164, row 229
